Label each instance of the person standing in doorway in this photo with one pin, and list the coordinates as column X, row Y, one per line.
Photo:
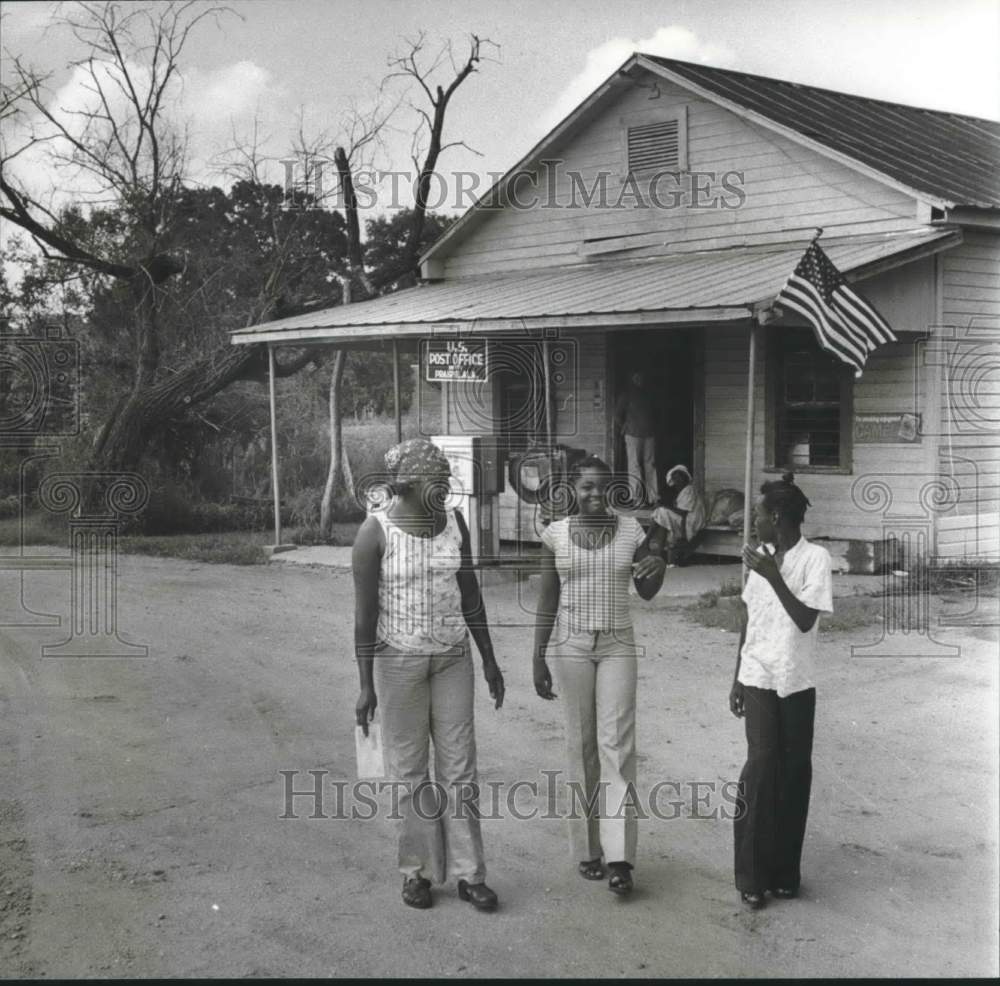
column 417, row 600
column 634, row 419
column 788, row 586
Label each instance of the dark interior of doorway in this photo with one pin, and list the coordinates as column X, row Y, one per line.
column 666, row 359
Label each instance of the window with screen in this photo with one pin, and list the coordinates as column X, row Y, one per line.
column 809, row 405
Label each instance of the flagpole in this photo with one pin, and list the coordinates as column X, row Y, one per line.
column 751, row 416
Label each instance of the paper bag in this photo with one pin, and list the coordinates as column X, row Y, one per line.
column 371, row 759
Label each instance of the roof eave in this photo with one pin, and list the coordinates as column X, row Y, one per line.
column 321, row 334
column 791, row 133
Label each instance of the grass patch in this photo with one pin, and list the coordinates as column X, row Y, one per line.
column 849, row 613
column 39, row 528
column 230, row 548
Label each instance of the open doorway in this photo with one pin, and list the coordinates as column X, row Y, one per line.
column 665, row 358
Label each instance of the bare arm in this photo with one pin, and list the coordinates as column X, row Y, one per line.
column 656, row 539
column 366, row 561
column 647, row 570
column 764, row 565
column 736, row 703
column 474, row 611
column 545, row 617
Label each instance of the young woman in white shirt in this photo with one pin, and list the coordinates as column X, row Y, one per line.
column 788, row 586
column 584, row 625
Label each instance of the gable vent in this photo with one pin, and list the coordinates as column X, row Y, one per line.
column 653, row 146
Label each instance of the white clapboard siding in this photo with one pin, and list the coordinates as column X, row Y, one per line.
column 886, row 481
column 970, row 396
column 958, row 539
column 784, row 186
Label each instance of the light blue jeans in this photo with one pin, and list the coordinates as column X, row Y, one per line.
column 424, row 698
column 595, row 675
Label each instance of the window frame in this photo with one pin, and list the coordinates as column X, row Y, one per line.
column 776, row 346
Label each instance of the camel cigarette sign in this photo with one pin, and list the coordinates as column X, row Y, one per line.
column 451, row 360
column 887, row 429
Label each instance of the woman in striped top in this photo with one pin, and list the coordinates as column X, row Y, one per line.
column 417, row 601
column 584, row 624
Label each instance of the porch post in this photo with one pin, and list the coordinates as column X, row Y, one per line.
column 274, row 445
column 751, row 415
column 395, row 390
column 548, row 394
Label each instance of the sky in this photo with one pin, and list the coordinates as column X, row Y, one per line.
column 305, row 62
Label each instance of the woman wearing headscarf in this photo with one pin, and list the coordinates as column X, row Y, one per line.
column 681, row 520
column 584, row 625
column 417, row 600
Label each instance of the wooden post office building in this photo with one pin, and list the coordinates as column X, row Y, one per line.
column 652, row 230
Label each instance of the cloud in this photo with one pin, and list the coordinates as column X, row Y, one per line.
column 672, row 42
column 227, row 92
column 206, row 105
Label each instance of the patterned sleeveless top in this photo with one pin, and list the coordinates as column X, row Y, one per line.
column 594, row 583
column 419, row 602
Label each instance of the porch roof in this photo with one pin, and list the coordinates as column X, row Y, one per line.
column 692, row 287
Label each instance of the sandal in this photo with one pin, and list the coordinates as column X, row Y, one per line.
column 620, row 881
column 417, row 892
column 591, row 869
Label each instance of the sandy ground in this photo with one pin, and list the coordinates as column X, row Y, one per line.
column 140, row 829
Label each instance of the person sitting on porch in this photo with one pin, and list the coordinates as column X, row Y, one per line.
column 416, row 601
column 634, row 419
column 682, row 520
column 588, row 560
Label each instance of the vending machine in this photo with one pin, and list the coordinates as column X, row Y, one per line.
column 476, row 481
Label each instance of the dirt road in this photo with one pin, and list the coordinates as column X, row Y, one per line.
column 140, row 828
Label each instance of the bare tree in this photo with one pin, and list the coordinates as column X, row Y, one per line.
column 122, row 149
column 417, row 65
column 413, row 65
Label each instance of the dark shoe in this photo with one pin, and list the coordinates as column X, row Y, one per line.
column 417, row 892
column 754, row 901
column 478, row 894
column 784, row 893
column 592, row 869
column 620, row 881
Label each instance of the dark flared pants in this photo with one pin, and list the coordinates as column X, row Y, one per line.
column 773, row 801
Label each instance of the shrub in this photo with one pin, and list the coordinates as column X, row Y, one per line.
column 170, row 510
column 10, row 506
column 304, row 507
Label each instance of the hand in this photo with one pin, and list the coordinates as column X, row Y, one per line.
column 494, row 679
column 543, row 679
column 763, row 564
column 364, row 710
column 650, row 565
column 736, row 699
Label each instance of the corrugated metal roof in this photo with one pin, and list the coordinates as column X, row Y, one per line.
column 946, row 155
column 703, row 285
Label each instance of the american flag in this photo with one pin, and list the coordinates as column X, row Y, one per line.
column 845, row 324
